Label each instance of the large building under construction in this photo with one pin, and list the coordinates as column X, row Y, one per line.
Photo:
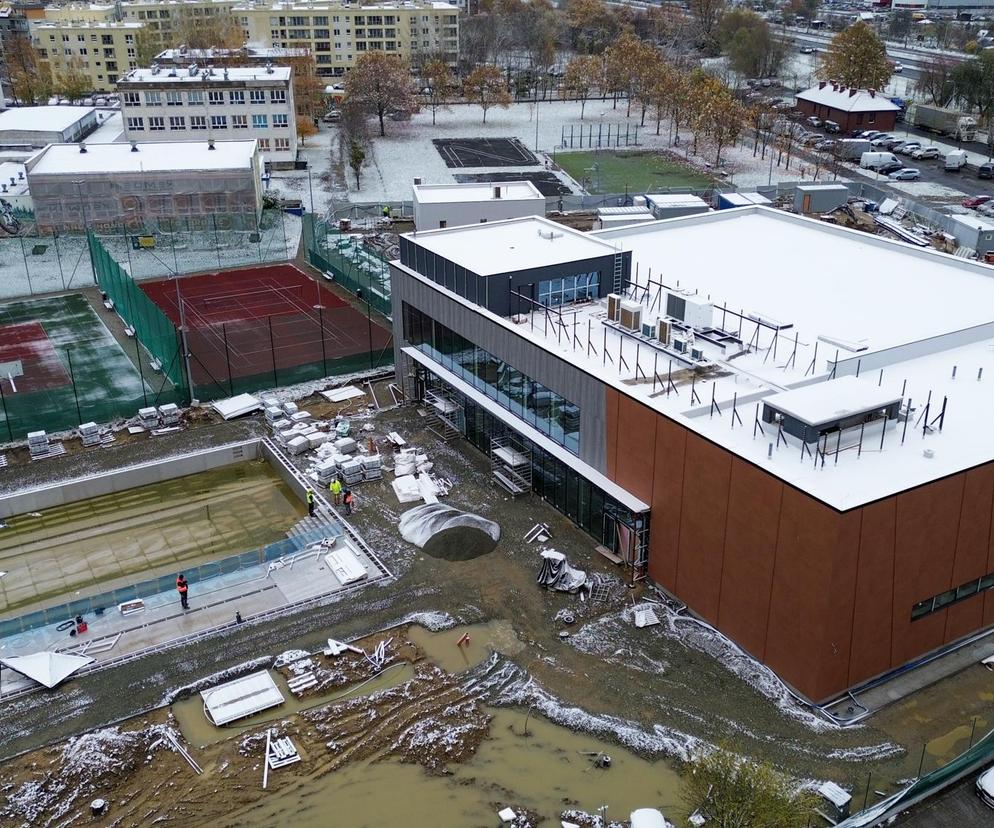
column 782, row 423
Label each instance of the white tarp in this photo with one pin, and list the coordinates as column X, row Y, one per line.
column 648, row 818
column 236, row 406
column 346, row 392
column 241, row 697
column 47, row 668
column 345, row 566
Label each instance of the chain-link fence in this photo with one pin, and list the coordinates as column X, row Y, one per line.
column 349, row 262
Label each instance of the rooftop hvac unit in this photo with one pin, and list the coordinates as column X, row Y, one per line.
column 662, row 330
column 696, row 354
column 680, row 344
column 698, row 312
column 648, row 330
column 613, row 306
column 630, row 316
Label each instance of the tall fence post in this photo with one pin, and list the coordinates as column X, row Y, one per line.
column 58, row 258
column 6, row 416
column 72, row 377
column 324, row 358
column 227, row 358
column 272, row 347
column 141, row 371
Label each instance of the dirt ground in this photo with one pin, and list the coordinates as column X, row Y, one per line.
column 658, row 690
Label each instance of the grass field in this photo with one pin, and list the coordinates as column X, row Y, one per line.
column 635, row 172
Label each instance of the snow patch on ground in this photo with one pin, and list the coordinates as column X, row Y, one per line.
column 924, row 189
column 290, row 656
column 215, row 678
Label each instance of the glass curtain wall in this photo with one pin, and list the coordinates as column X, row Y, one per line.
column 550, row 413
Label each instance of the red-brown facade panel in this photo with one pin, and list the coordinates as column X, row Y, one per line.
column 874, row 602
column 972, row 550
column 667, row 502
column 636, row 448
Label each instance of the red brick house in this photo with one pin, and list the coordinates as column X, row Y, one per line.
column 850, row 108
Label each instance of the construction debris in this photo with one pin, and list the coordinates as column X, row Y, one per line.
column 539, row 533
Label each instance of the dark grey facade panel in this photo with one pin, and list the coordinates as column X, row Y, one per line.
column 556, row 373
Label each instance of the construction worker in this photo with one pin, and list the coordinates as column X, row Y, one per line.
column 386, row 211
column 181, row 587
column 348, row 501
column 336, row 491
column 310, row 502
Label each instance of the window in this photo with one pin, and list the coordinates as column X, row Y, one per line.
column 260, row 122
column 177, row 122
column 157, row 124
column 195, row 98
column 237, row 97
column 282, row 144
column 319, row 21
column 136, row 123
column 219, row 121
column 239, row 121
column 174, row 99
column 153, row 99
column 264, row 144
column 280, row 121
column 215, row 98
column 963, row 592
column 277, row 96
column 321, row 34
column 132, row 99
column 322, row 46
column 569, row 289
column 107, row 40
column 257, row 96
column 132, row 52
column 297, row 21
column 198, row 122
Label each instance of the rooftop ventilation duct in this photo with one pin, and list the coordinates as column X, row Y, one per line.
column 82, row 147
column 210, row 143
column 134, row 146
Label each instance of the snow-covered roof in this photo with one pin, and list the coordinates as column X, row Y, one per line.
column 47, row 668
column 974, row 222
column 43, row 118
column 475, row 191
column 304, row 5
column 240, row 698
column 86, row 24
column 745, row 199
column 165, row 76
column 825, row 402
column 847, row 100
column 9, row 170
column 171, row 156
column 675, row 200
column 514, row 244
column 782, row 302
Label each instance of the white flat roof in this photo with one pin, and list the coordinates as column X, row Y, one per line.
column 476, row 191
column 171, row 75
column 47, row 668
column 974, row 222
column 792, row 297
column 43, row 118
column 675, row 200
column 824, row 402
column 170, row 156
column 745, row 199
column 241, row 697
column 514, row 244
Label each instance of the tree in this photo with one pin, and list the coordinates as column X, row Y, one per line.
column 218, row 31
column 737, row 793
column 357, row 157
column 583, row 74
column 305, row 128
column 857, row 58
column 439, row 83
column 750, row 45
column 380, row 83
column 30, row 79
column 485, row 85
column 935, row 80
column 707, row 13
column 900, row 24
column 72, row 83
column 590, row 24
column 628, row 64
column 146, row 46
column 974, row 84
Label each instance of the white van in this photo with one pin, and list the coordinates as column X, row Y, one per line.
column 955, row 160
column 874, row 160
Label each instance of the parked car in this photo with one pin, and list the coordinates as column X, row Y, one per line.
column 332, row 116
column 986, row 209
column 881, row 141
column 909, row 147
column 898, row 67
column 985, row 170
column 874, row 160
column 896, row 145
column 955, row 160
column 869, row 134
column 985, row 787
column 889, row 167
column 925, row 153
column 831, row 126
column 973, row 202
column 813, row 120
column 827, row 144
column 906, row 174
column 807, row 50
column 812, row 138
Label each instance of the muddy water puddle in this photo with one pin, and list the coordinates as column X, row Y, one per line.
column 199, row 732
column 479, row 640
column 546, row 771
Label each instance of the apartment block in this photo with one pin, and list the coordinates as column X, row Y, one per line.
column 103, row 51
column 191, row 103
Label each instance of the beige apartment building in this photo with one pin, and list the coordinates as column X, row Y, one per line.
column 101, row 39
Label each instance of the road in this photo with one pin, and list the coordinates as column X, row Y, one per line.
column 959, row 807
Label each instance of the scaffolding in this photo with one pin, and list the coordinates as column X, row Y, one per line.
column 511, row 463
column 446, row 416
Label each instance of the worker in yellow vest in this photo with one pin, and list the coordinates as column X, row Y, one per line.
column 336, row 491
column 310, row 502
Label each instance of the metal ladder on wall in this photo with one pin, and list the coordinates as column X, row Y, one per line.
column 619, row 271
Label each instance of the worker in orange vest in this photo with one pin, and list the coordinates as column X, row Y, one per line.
column 181, row 587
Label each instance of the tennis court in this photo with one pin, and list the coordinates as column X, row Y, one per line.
column 60, row 366
column 267, row 326
column 484, row 152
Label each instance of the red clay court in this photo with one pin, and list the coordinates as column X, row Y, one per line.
column 260, row 321
column 28, row 361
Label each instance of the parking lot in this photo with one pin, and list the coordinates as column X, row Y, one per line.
column 958, row 807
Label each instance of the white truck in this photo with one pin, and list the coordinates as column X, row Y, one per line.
column 944, row 121
column 851, row 149
column 955, row 160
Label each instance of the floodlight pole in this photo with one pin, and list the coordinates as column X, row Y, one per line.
column 182, row 332
column 86, row 227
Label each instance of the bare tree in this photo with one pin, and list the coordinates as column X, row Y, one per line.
column 439, row 85
column 30, row 79
column 219, row 31
column 707, row 13
column 72, row 83
column 936, row 80
column 583, row 74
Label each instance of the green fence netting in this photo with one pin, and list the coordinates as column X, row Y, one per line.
column 151, row 326
column 360, row 270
